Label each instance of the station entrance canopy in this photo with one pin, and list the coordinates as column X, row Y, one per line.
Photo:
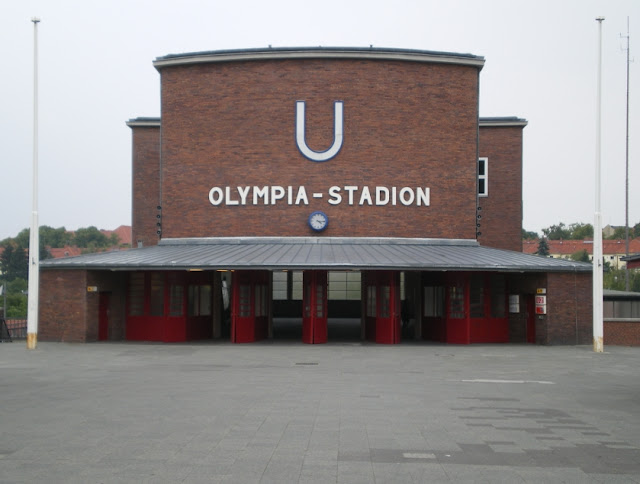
column 328, row 253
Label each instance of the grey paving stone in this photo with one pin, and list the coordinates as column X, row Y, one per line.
column 288, row 412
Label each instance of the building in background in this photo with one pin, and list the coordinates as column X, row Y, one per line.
column 613, row 251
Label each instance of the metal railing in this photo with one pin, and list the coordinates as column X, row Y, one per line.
column 17, row 328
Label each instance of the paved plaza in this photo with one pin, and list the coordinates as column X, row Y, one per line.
column 350, row 412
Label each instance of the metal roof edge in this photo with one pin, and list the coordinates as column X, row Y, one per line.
column 502, row 122
column 144, row 122
column 317, row 240
column 280, row 53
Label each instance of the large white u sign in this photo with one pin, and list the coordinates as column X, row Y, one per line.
column 337, row 134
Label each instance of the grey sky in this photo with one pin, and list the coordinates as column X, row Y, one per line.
column 96, row 72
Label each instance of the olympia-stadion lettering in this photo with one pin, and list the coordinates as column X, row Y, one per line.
column 272, row 195
column 290, row 195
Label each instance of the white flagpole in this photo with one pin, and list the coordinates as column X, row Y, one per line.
column 34, row 236
column 598, row 330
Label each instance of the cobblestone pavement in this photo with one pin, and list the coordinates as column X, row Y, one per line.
column 285, row 412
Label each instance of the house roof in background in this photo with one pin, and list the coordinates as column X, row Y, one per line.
column 568, row 247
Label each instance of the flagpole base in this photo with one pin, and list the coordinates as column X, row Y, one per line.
column 598, row 344
column 32, row 341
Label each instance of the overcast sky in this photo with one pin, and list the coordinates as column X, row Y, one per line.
column 95, row 72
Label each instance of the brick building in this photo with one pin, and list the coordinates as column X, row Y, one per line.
column 321, row 184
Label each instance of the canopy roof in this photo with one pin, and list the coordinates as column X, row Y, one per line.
column 329, row 253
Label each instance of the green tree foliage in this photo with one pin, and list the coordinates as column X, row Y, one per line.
column 614, row 279
column 92, row 238
column 575, row 231
column 543, row 247
column 580, row 256
column 580, row 231
column 16, row 291
column 528, row 235
column 556, row 232
column 16, row 306
column 50, row 237
column 14, row 262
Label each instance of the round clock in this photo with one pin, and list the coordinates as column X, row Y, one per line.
column 318, row 221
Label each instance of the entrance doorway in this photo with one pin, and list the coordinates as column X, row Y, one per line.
column 314, row 306
column 103, row 316
column 531, row 319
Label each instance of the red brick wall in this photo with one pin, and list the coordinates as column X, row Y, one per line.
column 622, row 333
column 145, row 184
column 405, row 124
column 569, row 308
column 69, row 313
column 63, row 306
column 501, row 223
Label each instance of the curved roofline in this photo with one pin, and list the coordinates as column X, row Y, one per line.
column 284, row 53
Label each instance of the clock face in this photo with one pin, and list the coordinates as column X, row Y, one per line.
column 318, row 221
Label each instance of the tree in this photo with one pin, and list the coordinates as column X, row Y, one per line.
column 557, row 232
column 14, row 262
column 528, row 235
column 615, row 280
column 91, row 237
column 580, row 256
column 50, row 237
column 580, row 231
column 575, row 231
column 543, row 247
column 16, row 298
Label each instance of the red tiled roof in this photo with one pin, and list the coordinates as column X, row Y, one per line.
column 568, row 247
column 67, row 251
column 123, row 232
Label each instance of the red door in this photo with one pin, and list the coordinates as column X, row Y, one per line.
column 388, row 322
column 242, row 314
column 103, row 317
column 250, row 302
column 314, row 318
column 382, row 293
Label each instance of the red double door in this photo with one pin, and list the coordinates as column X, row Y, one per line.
column 382, row 306
column 314, row 307
column 250, row 306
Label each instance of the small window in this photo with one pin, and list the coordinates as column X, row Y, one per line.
column 280, row 286
column 176, row 298
column 456, row 302
column 136, row 294
column 434, row 301
column 371, row 301
column 296, row 285
column 483, row 177
column 157, row 295
column 199, row 297
column 498, row 296
column 344, row 286
column 476, row 296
